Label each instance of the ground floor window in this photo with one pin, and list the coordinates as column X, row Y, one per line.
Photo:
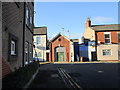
column 106, row 52
column 39, row 54
column 13, row 47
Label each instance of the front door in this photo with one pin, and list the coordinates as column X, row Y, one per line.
column 60, row 56
column 94, row 56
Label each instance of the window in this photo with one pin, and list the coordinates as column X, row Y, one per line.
column 107, row 38
column 39, row 54
column 118, row 37
column 38, row 40
column 27, row 16
column 30, row 48
column 106, row 52
column 13, row 47
column 31, row 18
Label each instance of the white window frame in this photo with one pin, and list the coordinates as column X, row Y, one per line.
column 107, row 38
column 13, row 47
column 107, row 52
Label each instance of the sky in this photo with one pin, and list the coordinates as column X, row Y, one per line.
column 73, row 15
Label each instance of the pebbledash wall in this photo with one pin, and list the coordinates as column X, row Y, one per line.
column 113, row 46
column 59, row 42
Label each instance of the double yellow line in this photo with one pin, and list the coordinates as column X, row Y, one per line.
column 69, row 82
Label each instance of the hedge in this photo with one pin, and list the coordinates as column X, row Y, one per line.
column 20, row 77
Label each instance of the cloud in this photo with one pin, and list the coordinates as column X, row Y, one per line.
column 100, row 19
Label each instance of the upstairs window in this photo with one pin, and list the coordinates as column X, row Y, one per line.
column 107, row 38
column 27, row 16
column 38, row 40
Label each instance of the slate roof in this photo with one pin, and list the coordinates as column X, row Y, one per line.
column 40, row 30
column 111, row 27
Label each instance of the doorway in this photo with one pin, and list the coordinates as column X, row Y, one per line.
column 60, row 56
column 94, row 56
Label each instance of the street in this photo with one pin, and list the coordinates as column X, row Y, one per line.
column 79, row 75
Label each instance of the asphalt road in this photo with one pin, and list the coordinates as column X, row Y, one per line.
column 82, row 75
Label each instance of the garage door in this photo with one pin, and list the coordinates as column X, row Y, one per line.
column 60, row 56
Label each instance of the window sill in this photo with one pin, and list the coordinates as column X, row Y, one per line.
column 13, row 54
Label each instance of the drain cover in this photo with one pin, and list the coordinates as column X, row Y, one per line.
column 54, row 75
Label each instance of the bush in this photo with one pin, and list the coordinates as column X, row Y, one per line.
column 20, row 77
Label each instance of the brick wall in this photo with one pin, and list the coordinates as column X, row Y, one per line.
column 114, row 36
column 5, row 68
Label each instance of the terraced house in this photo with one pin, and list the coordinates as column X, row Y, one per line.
column 17, row 35
column 107, row 40
column 40, row 42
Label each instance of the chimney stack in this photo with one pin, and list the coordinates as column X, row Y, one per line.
column 88, row 22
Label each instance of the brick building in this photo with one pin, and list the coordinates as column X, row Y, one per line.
column 17, row 35
column 107, row 39
column 59, row 48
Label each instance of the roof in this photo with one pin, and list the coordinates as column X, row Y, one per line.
column 40, row 30
column 53, row 38
column 111, row 27
column 74, row 40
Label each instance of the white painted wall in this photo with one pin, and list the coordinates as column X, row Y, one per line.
column 40, row 47
column 114, row 52
column 91, row 48
column 72, row 51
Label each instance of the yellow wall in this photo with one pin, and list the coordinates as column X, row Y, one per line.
column 89, row 34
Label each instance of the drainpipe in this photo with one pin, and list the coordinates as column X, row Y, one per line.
column 24, row 12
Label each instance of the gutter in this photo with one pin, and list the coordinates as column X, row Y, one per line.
column 24, row 34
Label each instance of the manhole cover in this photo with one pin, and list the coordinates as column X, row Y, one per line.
column 54, row 75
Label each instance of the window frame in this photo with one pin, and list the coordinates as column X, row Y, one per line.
column 107, row 53
column 107, row 33
column 14, row 55
column 13, row 49
column 29, row 17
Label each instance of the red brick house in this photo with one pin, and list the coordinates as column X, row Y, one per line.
column 107, row 41
column 107, row 38
column 60, row 49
